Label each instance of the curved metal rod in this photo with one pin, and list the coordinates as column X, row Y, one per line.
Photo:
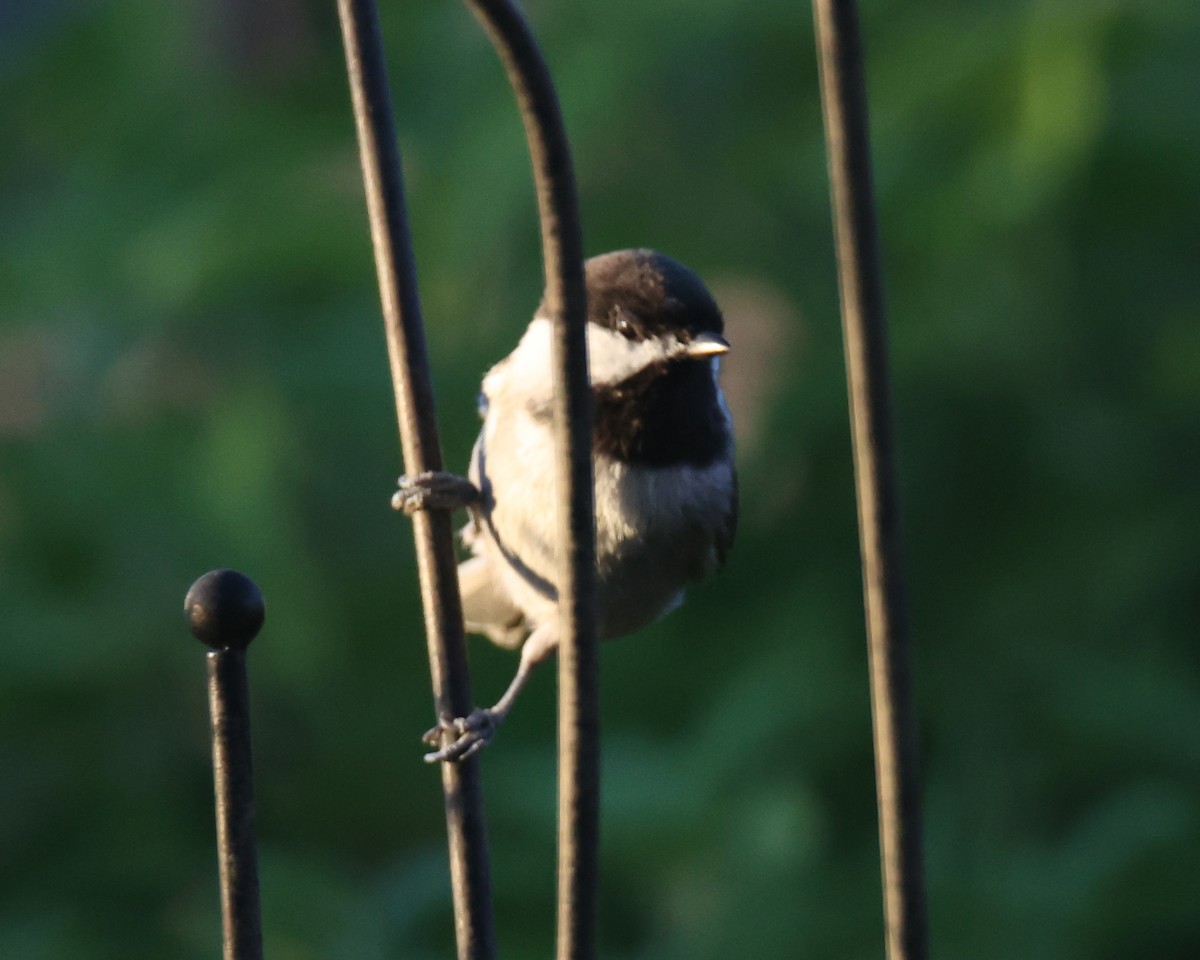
column 566, row 303
column 864, row 326
column 436, row 563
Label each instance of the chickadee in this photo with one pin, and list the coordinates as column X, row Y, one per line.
column 666, row 488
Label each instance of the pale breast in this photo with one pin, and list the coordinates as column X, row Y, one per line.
column 655, row 527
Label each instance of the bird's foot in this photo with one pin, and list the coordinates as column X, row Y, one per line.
column 433, row 490
column 470, row 735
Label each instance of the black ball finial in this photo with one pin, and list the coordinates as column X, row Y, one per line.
column 224, row 609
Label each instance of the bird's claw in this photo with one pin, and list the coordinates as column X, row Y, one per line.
column 433, row 490
column 471, row 734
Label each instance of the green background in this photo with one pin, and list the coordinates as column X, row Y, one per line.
column 193, row 375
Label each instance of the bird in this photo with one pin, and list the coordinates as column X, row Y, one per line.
column 666, row 496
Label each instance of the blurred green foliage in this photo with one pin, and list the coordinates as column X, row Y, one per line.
column 192, row 375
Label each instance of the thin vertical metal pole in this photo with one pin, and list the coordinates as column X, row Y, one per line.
column 864, row 327
column 566, row 303
column 225, row 611
column 436, row 564
column 229, row 708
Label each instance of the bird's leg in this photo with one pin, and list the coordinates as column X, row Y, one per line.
column 434, row 490
column 476, row 730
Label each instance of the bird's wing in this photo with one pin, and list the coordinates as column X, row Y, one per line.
column 727, row 531
column 714, row 534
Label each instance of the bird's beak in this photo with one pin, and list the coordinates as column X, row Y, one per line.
column 705, row 345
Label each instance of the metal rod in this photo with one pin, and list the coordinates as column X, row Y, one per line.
column 436, row 564
column 864, row 326
column 225, row 611
column 566, row 303
column 228, row 703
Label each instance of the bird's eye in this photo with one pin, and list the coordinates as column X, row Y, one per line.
column 625, row 326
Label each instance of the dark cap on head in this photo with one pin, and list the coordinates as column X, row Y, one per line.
column 644, row 293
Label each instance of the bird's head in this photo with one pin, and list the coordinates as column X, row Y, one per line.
column 647, row 312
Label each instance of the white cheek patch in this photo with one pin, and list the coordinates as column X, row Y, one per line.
column 613, row 357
